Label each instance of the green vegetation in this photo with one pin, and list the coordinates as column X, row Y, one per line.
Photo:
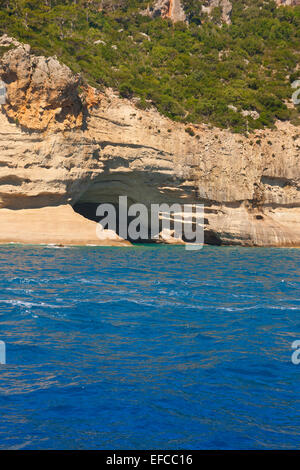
column 190, row 72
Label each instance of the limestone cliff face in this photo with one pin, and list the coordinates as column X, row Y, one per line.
column 100, row 146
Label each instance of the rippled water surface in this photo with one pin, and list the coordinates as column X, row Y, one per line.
column 149, row 348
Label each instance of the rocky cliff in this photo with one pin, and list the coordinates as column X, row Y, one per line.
column 65, row 145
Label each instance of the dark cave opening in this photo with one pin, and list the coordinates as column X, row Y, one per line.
column 89, row 210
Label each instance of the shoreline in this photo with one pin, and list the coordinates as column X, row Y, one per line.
column 137, row 245
column 60, row 226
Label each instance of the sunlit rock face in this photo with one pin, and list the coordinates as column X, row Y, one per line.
column 167, row 9
column 250, row 186
column 42, row 93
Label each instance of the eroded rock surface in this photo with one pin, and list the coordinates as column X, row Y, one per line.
column 167, row 9
column 42, row 93
column 250, row 186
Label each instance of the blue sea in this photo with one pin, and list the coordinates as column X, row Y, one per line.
column 149, row 347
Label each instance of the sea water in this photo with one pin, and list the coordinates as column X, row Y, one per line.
column 149, row 347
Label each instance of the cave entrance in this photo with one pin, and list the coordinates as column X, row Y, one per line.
column 89, row 211
column 165, row 220
column 139, row 187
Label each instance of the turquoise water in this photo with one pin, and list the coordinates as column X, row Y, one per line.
column 149, row 348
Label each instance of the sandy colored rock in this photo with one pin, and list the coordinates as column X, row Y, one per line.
column 52, row 225
column 169, row 237
column 167, row 9
column 42, row 93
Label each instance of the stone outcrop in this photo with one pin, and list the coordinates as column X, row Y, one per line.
column 42, row 93
column 174, row 10
column 250, row 186
column 167, row 9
